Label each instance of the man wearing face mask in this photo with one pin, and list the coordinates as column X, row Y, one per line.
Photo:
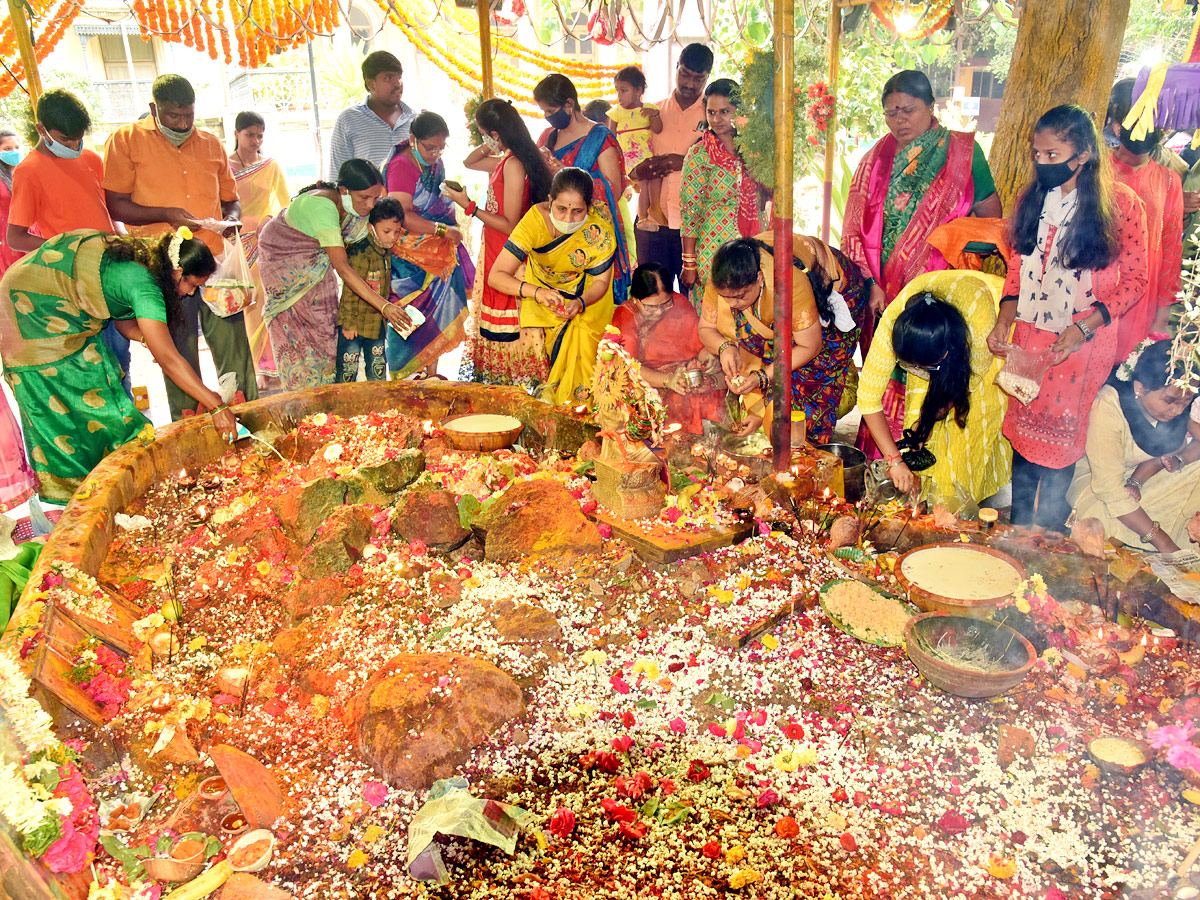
column 58, row 187
column 162, row 173
column 1161, row 193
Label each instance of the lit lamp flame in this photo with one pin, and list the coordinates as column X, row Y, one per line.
column 673, row 428
column 428, row 427
column 906, row 22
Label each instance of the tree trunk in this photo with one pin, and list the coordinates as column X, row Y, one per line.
column 1066, row 52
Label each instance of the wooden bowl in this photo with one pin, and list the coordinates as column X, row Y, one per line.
column 1133, row 746
column 260, row 861
column 482, row 441
column 171, row 870
column 940, row 628
column 980, row 608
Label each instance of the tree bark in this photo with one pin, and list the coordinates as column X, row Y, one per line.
column 1066, row 52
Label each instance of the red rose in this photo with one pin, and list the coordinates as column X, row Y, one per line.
column 618, row 812
column 628, row 719
column 849, row 842
column 953, row 822
column 840, row 794
column 697, row 771
column 634, row 831
column 793, row 731
column 562, row 823
column 622, row 744
column 608, row 762
column 711, row 850
column 787, row 828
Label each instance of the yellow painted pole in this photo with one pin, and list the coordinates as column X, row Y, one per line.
column 781, row 376
column 484, row 7
column 835, row 52
column 33, row 78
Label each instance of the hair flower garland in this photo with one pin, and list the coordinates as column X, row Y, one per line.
column 1125, row 370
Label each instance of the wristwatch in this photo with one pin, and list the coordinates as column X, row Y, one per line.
column 1084, row 328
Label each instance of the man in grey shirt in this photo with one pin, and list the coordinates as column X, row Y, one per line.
column 369, row 130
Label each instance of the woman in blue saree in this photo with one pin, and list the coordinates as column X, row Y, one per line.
column 431, row 270
column 574, row 140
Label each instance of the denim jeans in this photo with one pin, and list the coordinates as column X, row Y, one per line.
column 1039, row 494
column 349, row 350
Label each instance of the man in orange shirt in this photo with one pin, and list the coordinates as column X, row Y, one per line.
column 57, row 188
column 161, row 174
column 681, row 113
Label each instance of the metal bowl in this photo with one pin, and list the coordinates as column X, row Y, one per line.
column 854, row 468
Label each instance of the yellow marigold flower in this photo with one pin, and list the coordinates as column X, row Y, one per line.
column 357, row 860
column 743, row 877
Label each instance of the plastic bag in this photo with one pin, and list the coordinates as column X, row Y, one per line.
column 231, row 287
column 1024, row 372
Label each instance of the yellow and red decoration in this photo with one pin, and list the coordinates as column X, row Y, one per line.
column 913, row 21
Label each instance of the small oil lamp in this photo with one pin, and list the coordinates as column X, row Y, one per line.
column 233, row 823
column 202, row 512
column 427, row 426
column 162, row 702
column 185, row 480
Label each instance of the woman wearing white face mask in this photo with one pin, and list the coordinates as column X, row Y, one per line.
column 936, row 330
column 568, row 247
column 499, row 351
column 301, row 254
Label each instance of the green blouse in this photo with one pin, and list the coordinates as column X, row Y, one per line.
column 318, row 217
column 131, row 291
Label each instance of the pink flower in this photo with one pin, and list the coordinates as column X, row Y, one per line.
column 953, row 822
column 375, row 792
column 677, row 725
column 618, row 812
column 628, row 719
column 1184, row 756
column 769, row 797
column 672, row 513
column 1169, row 735
column 636, row 786
column 716, row 730
column 667, row 786
column 619, row 684
column 605, row 530
column 562, row 823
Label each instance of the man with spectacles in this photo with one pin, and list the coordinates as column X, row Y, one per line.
column 369, row 130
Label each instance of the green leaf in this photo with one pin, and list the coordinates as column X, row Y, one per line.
column 440, row 633
column 468, row 509
column 39, row 840
column 719, row 699
column 650, row 808
column 646, row 703
column 129, row 859
column 677, row 816
column 584, row 467
column 162, row 845
column 212, row 847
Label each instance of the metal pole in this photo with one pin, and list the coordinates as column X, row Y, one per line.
column 316, row 101
column 133, row 82
column 781, row 378
column 484, row 8
column 835, row 52
column 24, row 36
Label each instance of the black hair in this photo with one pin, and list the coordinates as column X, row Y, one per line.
column 63, row 111
column 1154, row 372
column 500, row 116
column 647, row 280
column 556, row 90
column 725, row 87
column 930, row 332
column 696, row 57
column 573, row 178
column 428, row 124
column 386, row 208
column 244, row 120
column 597, row 111
column 1120, row 101
column 911, row 82
column 375, row 64
column 1152, row 368
column 353, row 175
column 195, row 259
column 173, row 89
column 1091, row 241
column 632, row 76
column 737, row 263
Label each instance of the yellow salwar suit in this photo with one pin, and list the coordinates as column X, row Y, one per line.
column 568, row 264
column 973, row 462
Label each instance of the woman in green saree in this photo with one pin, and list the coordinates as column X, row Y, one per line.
column 67, row 383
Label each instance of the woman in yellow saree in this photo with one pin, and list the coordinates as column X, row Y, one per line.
column 567, row 247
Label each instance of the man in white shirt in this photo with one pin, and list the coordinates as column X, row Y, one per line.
column 369, row 130
column 682, row 114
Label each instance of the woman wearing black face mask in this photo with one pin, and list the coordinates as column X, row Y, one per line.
column 1078, row 263
column 574, row 140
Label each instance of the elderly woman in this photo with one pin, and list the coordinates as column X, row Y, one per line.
column 302, row 252
column 53, row 304
column 894, row 206
column 568, row 247
column 1139, row 426
column 661, row 330
column 828, row 300
column 718, row 198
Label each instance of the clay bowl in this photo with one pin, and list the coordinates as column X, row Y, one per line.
column 259, row 861
column 213, row 788
column 927, row 600
column 946, row 631
column 1100, row 751
column 171, row 870
column 482, row 441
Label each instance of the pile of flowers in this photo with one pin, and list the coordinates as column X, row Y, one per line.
column 101, row 674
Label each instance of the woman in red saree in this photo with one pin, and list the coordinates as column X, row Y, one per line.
column 919, row 176
column 660, row 329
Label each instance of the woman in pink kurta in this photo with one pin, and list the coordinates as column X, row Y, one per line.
column 1078, row 265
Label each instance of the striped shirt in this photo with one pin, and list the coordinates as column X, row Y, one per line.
column 359, row 133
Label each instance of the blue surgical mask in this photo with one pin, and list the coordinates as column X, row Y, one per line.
column 417, row 153
column 62, row 151
column 10, row 157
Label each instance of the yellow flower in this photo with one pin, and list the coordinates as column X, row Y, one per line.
column 582, row 711
column 743, row 877
column 786, row 760
column 770, row 641
column 184, row 232
column 357, row 859
column 594, row 658
column 372, row 834
column 1001, row 868
column 735, row 854
column 1022, row 604
column 647, row 666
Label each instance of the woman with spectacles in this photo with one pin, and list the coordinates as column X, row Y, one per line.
column 918, row 176
column 431, row 269
column 936, row 330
